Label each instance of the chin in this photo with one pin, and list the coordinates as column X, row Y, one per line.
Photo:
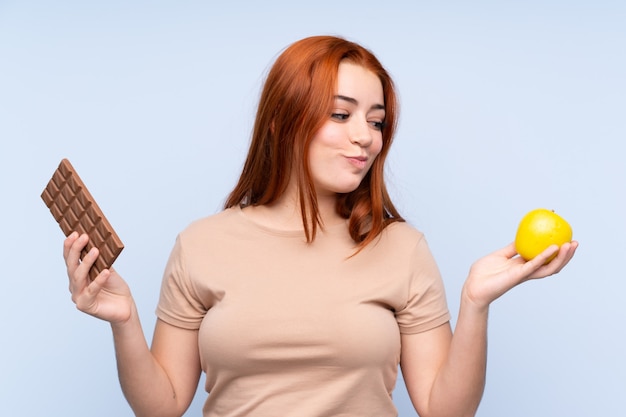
column 338, row 186
column 348, row 188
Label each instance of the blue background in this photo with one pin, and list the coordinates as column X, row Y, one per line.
column 506, row 106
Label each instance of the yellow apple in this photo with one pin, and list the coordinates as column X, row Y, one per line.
column 538, row 230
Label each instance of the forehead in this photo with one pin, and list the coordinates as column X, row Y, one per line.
column 359, row 82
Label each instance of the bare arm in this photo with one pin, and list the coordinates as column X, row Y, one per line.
column 157, row 382
column 161, row 381
column 445, row 373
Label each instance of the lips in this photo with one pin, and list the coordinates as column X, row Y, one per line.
column 358, row 161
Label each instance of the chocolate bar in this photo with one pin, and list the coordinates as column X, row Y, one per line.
column 73, row 207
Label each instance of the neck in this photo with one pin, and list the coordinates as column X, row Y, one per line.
column 286, row 214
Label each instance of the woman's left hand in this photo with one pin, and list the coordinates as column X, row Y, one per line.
column 495, row 274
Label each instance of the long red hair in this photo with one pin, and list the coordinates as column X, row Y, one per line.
column 296, row 101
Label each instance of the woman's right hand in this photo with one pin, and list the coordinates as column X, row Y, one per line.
column 108, row 296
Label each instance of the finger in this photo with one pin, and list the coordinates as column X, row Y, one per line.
column 86, row 300
column 566, row 253
column 572, row 250
column 79, row 277
column 87, row 262
column 75, row 248
column 544, row 257
column 73, row 257
column 508, row 251
column 540, row 262
column 67, row 244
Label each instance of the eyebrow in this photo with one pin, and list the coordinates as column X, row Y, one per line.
column 355, row 102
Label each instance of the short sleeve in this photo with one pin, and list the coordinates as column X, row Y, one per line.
column 426, row 306
column 179, row 303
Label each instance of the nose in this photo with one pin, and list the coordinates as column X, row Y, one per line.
column 361, row 132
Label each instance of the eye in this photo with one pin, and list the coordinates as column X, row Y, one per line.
column 340, row 116
column 378, row 125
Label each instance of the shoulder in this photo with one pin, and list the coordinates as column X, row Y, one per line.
column 215, row 225
column 402, row 233
column 222, row 219
column 398, row 242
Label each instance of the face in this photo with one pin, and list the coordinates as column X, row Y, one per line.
column 343, row 150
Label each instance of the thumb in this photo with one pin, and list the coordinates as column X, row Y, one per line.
column 541, row 260
column 86, row 301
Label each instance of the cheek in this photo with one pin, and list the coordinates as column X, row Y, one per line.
column 377, row 146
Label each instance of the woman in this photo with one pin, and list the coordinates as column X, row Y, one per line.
column 305, row 293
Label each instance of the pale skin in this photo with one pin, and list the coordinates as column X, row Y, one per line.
column 444, row 372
